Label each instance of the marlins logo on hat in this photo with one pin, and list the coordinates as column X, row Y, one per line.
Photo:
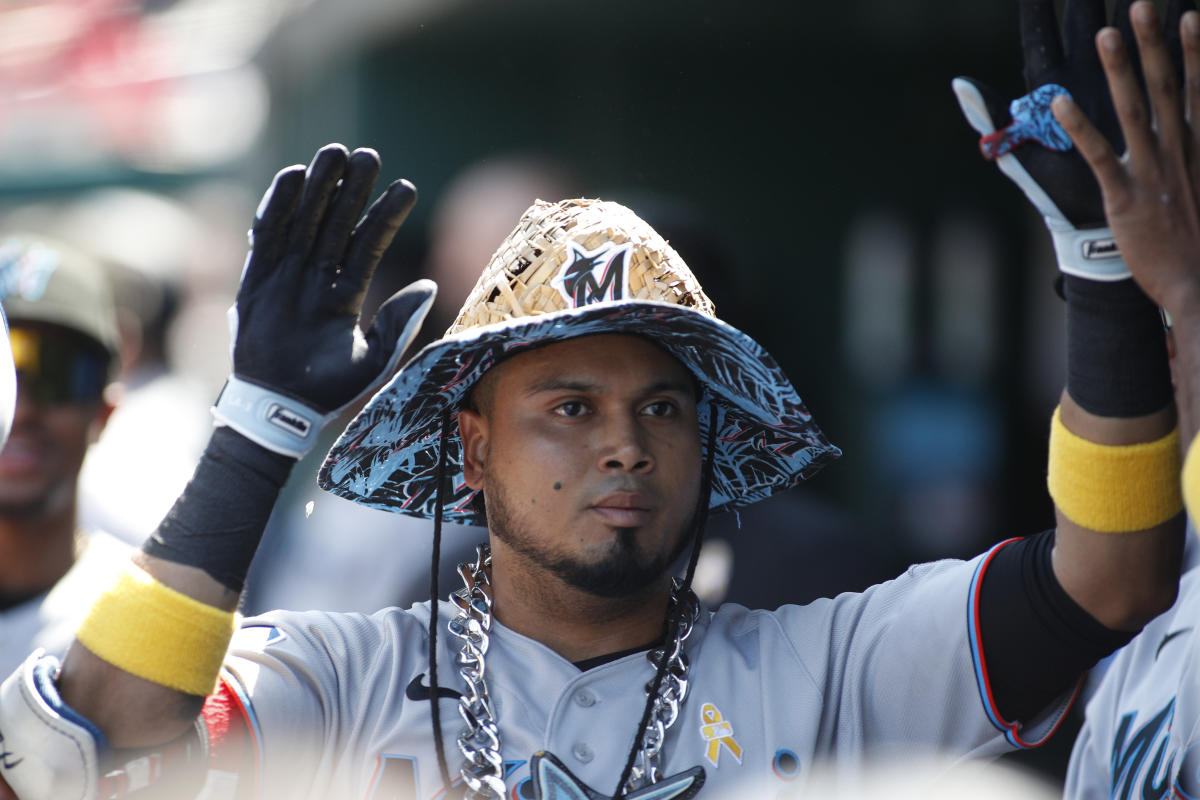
column 570, row 269
column 42, row 280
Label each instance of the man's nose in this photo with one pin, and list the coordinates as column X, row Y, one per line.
column 626, row 447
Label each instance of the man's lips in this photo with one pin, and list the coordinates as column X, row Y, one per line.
column 624, row 509
column 21, row 454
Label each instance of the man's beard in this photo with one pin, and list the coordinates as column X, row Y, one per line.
column 619, row 572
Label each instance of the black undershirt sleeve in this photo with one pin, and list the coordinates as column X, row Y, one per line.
column 217, row 522
column 1037, row 642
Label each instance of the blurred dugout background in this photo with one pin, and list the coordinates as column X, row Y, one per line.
column 814, row 153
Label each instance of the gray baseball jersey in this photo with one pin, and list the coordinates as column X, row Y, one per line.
column 1139, row 721
column 338, row 704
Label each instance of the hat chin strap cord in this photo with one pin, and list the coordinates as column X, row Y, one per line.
column 434, row 594
column 480, row 741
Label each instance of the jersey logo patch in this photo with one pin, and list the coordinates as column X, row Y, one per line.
column 719, row 734
column 591, row 276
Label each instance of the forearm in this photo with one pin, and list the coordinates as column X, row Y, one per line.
column 1123, row 579
column 133, row 711
column 153, row 643
column 1114, row 468
column 215, row 525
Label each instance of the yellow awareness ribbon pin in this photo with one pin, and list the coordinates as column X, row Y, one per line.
column 717, row 732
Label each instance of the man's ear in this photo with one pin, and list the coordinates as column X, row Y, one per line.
column 473, row 430
column 107, row 405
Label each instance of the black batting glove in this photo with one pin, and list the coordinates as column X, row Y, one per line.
column 299, row 354
column 1033, row 150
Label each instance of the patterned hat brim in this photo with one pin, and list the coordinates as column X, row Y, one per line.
column 766, row 440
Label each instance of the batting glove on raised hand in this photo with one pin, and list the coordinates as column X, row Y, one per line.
column 299, row 355
column 1033, row 150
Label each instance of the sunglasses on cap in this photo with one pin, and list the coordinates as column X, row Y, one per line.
column 56, row 366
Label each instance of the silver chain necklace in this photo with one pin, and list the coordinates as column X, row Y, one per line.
column 483, row 769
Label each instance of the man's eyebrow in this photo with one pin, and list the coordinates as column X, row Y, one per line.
column 671, row 385
column 561, row 384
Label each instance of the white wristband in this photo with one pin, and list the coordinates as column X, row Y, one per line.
column 49, row 751
column 1088, row 252
column 275, row 421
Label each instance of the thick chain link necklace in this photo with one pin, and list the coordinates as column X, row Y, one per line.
column 483, row 769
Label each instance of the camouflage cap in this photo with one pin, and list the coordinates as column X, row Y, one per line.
column 43, row 280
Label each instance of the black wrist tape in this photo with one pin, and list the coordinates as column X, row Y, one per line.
column 1116, row 349
column 217, row 522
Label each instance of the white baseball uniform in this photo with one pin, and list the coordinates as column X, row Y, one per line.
column 1139, row 721
column 337, row 704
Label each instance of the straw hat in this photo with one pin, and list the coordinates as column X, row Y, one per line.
column 577, row 268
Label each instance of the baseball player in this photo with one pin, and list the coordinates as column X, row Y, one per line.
column 589, row 407
column 63, row 334
column 1141, row 733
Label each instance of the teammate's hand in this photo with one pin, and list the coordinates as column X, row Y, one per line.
column 1029, row 146
column 299, row 354
column 1151, row 194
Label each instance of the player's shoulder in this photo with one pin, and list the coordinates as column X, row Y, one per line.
column 336, row 633
column 915, row 579
column 925, row 595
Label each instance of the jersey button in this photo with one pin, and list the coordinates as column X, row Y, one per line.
column 583, row 752
column 585, row 698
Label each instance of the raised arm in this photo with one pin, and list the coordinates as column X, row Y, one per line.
column 1150, row 203
column 152, row 645
column 1113, row 462
column 1151, row 192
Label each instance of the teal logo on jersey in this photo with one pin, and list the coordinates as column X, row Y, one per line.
column 553, row 781
column 1139, row 769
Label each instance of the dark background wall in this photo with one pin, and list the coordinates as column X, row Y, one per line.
column 779, row 123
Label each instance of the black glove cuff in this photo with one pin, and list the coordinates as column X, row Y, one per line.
column 217, row 522
column 1116, row 349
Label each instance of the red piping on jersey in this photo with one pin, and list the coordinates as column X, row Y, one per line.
column 228, row 724
column 1010, row 729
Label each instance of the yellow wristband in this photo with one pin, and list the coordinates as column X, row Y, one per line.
column 1191, row 479
column 152, row 631
column 1113, row 488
